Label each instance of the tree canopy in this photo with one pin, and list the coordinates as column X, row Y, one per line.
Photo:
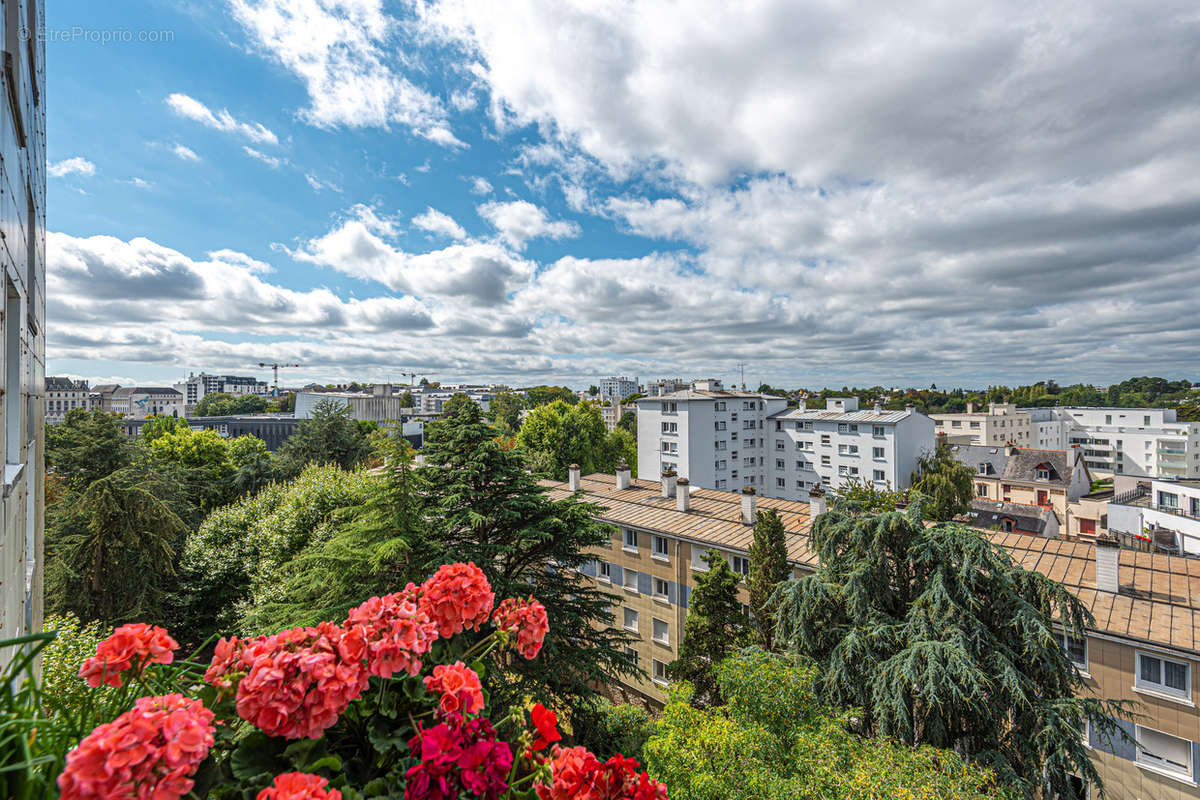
column 86, row 446
column 945, row 481
column 715, row 626
column 937, row 637
column 221, row 404
column 768, row 570
column 330, row 436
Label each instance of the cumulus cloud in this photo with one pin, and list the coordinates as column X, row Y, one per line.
column 518, row 221
column 341, row 53
column 222, row 120
column 77, row 165
column 439, row 223
column 480, row 185
column 185, row 152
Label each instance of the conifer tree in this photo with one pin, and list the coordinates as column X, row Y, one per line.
column 331, row 436
column 768, row 569
column 937, row 637
column 714, row 628
column 85, row 447
column 945, row 481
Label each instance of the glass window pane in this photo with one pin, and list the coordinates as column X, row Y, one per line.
column 1176, row 675
column 1150, row 669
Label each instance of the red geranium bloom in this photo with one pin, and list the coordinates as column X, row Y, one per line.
column 299, row 786
column 132, row 646
column 396, row 631
column 150, row 751
column 546, row 723
column 576, row 774
column 456, row 597
column 459, row 686
column 527, row 620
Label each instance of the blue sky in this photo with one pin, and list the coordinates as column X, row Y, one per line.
column 555, row 190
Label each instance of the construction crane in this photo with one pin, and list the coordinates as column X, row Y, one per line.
column 410, row 376
column 275, row 369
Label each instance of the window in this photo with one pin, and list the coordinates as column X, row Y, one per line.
column 661, row 589
column 843, row 470
column 719, row 445
column 720, row 405
column 800, row 484
column 719, row 464
column 781, row 483
column 661, row 631
column 633, row 655
column 698, row 562
column 1168, row 499
column 721, row 483
column 877, row 430
column 778, row 425
column 779, row 444
column 670, row 408
column 1075, row 648
column 854, row 472
column 1043, row 474
column 631, row 619
column 661, row 547
column 630, row 581
column 750, row 442
column 848, row 449
column 825, row 439
column 853, row 428
column 974, row 424
column 670, row 427
column 779, row 463
column 1145, row 420
column 1163, row 751
column 843, row 427
column 631, row 540
column 605, row 572
column 981, row 490
column 1164, row 675
column 660, row 672
column 878, row 475
column 983, row 468
column 740, row 565
column 1087, row 526
column 955, row 424
column 719, row 426
column 825, row 462
column 877, row 452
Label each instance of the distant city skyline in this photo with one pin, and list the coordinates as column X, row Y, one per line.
column 446, row 188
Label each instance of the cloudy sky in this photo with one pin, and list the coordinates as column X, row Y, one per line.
column 544, row 190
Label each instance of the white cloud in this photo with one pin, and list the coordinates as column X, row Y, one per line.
column 519, row 221
column 222, row 120
column 341, row 51
column 185, row 152
column 437, row 222
column 319, row 185
column 480, row 185
column 76, row 165
column 274, row 162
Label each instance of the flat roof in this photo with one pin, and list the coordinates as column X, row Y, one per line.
column 882, row 417
column 1159, row 602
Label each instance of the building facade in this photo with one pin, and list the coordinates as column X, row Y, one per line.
column 273, row 429
column 1143, row 646
column 23, row 317
column 1165, row 513
column 714, row 437
column 1001, row 424
column 617, row 388
column 67, row 394
column 1029, row 477
column 1143, row 442
column 194, row 387
column 140, row 402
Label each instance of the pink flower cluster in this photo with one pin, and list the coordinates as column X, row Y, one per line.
column 576, row 774
column 299, row 786
column 130, row 646
column 527, row 620
column 459, row 687
column 297, row 682
column 458, row 755
column 457, row 597
column 150, row 751
column 396, row 630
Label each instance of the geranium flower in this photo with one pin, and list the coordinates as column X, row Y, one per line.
column 527, row 620
column 396, row 632
column 132, row 646
column 459, row 687
column 457, row 756
column 546, row 723
column 457, row 597
column 150, row 751
column 226, row 663
column 576, row 774
column 299, row 786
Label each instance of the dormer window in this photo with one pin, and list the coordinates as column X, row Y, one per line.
column 983, row 468
column 1043, row 474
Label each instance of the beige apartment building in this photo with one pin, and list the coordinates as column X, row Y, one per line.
column 1001, row 424
column 1144, row 645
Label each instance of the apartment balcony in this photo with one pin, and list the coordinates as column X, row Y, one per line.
column 1171, row 451
column 1179, row 463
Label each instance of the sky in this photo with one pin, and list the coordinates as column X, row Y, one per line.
column 557, row 190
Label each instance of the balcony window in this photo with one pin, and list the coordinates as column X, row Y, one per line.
column 630, row 580
column 605, row 574
column 1165, row 675
column 660, row 672
column 1075, row 648
column 661, row 589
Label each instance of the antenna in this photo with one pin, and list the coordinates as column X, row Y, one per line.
column 741, row 365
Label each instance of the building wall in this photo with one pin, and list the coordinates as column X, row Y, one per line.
column 1146, row 442
column 1000, row 425
column 23, row 314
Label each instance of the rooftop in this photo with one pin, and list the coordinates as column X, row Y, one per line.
column 707, row 394
column 1159, row 600
column 881, row 417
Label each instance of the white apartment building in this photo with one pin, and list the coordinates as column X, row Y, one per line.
column 1049, row 431
column 714, row 437
column 843, row 444
column 141, row 402
column 1144, row 442
column 665, row 386
column 618, row 388
column 194, row 387
column 1167, row 512
column 1001, row 424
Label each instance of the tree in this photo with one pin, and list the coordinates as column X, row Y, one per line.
column 558, row 434
column 159, row 425
column 864, row 496
column 541, row 395
column 330, row 436
column 221, row 404
column 85, row 447
column 628, row 422
column 945, row 481
column 505, row 412
column 715, row 627
column 593, row 390
column 253, row 465
column 407, row 400
column 768, row 570
column 619, row 445
column 775, row 740
column 935, row 636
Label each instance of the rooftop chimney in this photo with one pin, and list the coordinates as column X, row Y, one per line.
column 683, row 498
column 878, row 408
column 970, row 408
column 623, row 475
column 1108, row 554
column 749, row 506
column 816, row 502
column 573, row 477
column 668, row 483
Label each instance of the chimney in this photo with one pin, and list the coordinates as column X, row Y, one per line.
column 668, row 483
column 623, row 475
column 816, row 502
column 970, row 408
column 908, row 407
column 749, row 506
column 573, row 477
column 1010, row 449
column 683, row 498
column 1108, row 554
column 878, row 408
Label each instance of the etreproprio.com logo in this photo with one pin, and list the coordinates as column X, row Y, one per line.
column 102, row 36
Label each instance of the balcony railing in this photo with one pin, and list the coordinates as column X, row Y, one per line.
column 1179, row 511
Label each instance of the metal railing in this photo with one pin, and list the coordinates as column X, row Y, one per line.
column 1127, row 497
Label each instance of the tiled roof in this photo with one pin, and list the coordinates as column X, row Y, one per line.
column 1023, row 464
column 1159, row 600
column 973, row 455
column 988, row 514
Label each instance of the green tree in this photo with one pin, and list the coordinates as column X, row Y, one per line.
column 768, row 570
column 159, row 425
column 593, row 390
column 935, row 636
column 86, row 446
column 864, row 496
column 505, row 412
column 617, row 446
column 407, row 400
column 541, row 395
column 221, row 404
column 558, row 434
column 628, row 422
column 774, row 740
column 945, row 481
column 714, row 628
column 330, row 436
column 252, row 463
